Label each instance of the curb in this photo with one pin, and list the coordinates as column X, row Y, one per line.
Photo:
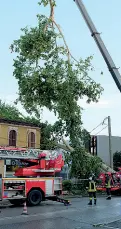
column 105, row 224
column 80, row 196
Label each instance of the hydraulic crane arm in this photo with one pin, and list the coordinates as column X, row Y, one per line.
column 111, row 66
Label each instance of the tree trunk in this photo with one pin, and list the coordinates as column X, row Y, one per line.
column 66, row 147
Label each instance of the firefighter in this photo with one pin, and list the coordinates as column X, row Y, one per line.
column 92, row 190
column 108, row 186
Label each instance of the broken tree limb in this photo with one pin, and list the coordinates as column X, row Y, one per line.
column 66, row 147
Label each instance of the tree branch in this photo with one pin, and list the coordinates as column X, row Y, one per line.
column 68, row 52
column 66, row 147
column 51, row 10
column 51, row 17
column 61, row 146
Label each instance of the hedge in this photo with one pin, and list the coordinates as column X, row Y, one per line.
column 70, row 186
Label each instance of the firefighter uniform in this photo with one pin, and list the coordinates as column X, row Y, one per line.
column 108, row 186
column 92, row 190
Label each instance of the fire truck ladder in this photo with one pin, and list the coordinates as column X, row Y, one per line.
column 23, row 153
column 19, row 153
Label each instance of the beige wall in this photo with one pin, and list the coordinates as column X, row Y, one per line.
column 22, row 135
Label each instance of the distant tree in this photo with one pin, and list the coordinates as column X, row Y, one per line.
column 9, row 112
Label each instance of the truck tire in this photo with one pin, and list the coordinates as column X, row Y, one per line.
column 34, row 197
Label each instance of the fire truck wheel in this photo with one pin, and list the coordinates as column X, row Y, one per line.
column 34, row 197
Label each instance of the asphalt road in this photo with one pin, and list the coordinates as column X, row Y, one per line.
column 51, row 215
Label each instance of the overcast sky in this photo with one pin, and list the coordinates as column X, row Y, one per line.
column 106, row 15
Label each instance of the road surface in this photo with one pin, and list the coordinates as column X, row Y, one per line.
column 51, row 215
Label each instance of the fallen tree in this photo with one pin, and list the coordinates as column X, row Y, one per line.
column 66, row 147
column 49, row 76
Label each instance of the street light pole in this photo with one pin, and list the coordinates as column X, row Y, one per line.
column 110, row 143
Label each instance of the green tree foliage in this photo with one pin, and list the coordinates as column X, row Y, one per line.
column 49, row 76
column 9, row 112
column 83, row 165
column 47, row 138
column 86, row 139
column 117, row 160
column 67, row 185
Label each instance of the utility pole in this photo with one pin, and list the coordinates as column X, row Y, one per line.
column 110, row 143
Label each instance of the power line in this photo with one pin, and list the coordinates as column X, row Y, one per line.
column 95, row 128
column 96, row 133
column 102, row 123
column 102, row 129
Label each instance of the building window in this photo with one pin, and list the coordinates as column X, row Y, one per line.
column 93, row 145
column 31, row 140
column 12, row 138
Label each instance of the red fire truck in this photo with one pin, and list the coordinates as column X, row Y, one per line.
column 36, row 182
column 115, row 182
